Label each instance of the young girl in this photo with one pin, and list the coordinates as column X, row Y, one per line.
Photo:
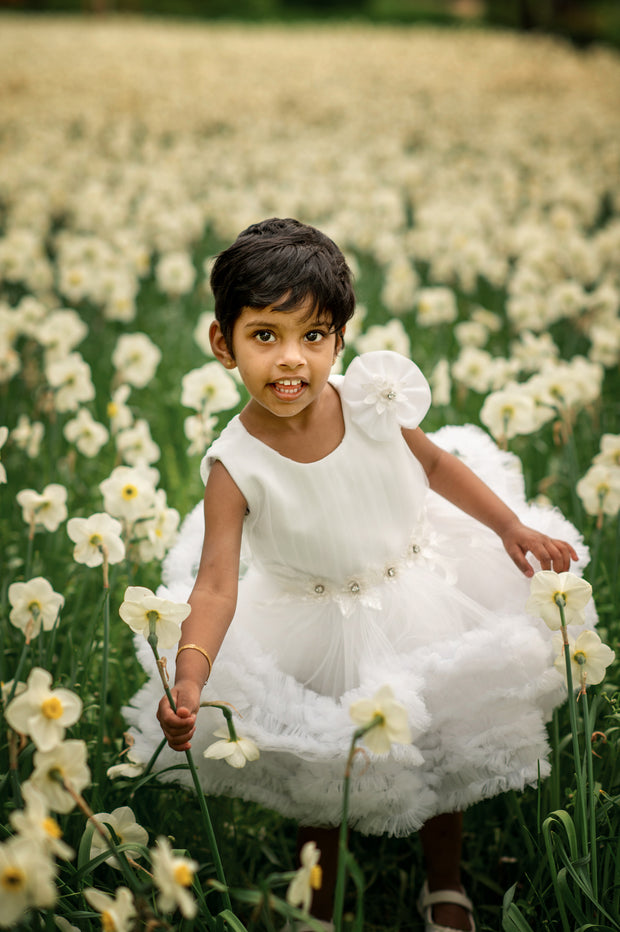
column 354, row 574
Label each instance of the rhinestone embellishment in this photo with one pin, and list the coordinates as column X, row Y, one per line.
column 355, row 587
column 319, row 588
column 391, row 396
column 391, row 571
column 415, row 548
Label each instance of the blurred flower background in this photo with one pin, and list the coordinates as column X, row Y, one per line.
column 471, row 175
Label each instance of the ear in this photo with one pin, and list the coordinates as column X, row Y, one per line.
column 339, row 342
column 219, row 347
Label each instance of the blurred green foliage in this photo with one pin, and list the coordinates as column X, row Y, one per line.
column 581, row 21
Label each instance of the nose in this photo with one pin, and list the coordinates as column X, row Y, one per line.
column 291, row 355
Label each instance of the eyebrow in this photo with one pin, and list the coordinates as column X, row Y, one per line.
column 271, row 324
column 264, row 324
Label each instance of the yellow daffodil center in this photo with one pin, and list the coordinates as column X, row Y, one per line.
column 107, row 921
column 34, row 608
column 579, row 657
column 183, row 875
column 129, row 492
column 51, row 827
column 559, row 598
column 112, row 409
column 316, row 877
column 12, row 879
column 95, row 540
column 52, row 707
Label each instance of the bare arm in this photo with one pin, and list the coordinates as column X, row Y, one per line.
column 213, row 601
column 452, row 479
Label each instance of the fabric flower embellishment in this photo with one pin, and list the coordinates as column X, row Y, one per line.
column 383, row 390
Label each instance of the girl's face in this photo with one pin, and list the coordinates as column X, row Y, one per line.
column 284, row 357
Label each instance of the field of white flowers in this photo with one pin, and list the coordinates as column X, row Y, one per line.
column 473, row 180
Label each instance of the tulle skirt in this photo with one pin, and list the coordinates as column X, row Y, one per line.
column 444, row 626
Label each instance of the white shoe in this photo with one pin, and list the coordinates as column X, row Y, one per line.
column 427, row 900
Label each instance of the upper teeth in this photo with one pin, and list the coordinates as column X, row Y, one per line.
column 289, row 381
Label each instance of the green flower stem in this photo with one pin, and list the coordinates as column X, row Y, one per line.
column 219, row 868
column 342, row 840
column 582, row 820
column 18, row 671
column 587, row 727
column 30, row 550
column 103, row 694
column 81, row 803
column 227, row 712
column 555, row 768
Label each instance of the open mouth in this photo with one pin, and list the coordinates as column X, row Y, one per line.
column 288, row 388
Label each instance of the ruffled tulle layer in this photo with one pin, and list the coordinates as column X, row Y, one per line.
column 446, row 629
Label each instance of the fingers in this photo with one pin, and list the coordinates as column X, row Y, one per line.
column 551, row 553
column 178, row 727
column 554, row 554
column 519, row 558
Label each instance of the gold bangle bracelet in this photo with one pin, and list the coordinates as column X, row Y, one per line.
column 200, row 650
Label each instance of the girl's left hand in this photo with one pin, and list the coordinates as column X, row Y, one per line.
column 550, row 552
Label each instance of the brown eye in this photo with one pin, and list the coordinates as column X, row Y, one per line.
column 264, row 336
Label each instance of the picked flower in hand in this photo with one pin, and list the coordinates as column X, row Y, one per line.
column 142, row 609
column 235, row 751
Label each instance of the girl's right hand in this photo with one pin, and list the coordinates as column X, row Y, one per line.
column 179, row 726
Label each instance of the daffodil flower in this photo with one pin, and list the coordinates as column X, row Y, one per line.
column 129, row 767
column 43, row 713
column 126, row 830
column 549, row 590
column 307, row 878
column 65, row 763
column 142, row 610
column 173, row 874
column 4, row 433
column 117, row 912
column 47, row 509
column 26, row 878
column 392, row 726
column 589, row 658
column 35, row 605
column 235, row 751
column 35, row 822
column 96, row 538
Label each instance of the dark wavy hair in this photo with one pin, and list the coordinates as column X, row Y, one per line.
column 285, row 263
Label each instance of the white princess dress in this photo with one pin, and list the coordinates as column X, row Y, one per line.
column 358, row 575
